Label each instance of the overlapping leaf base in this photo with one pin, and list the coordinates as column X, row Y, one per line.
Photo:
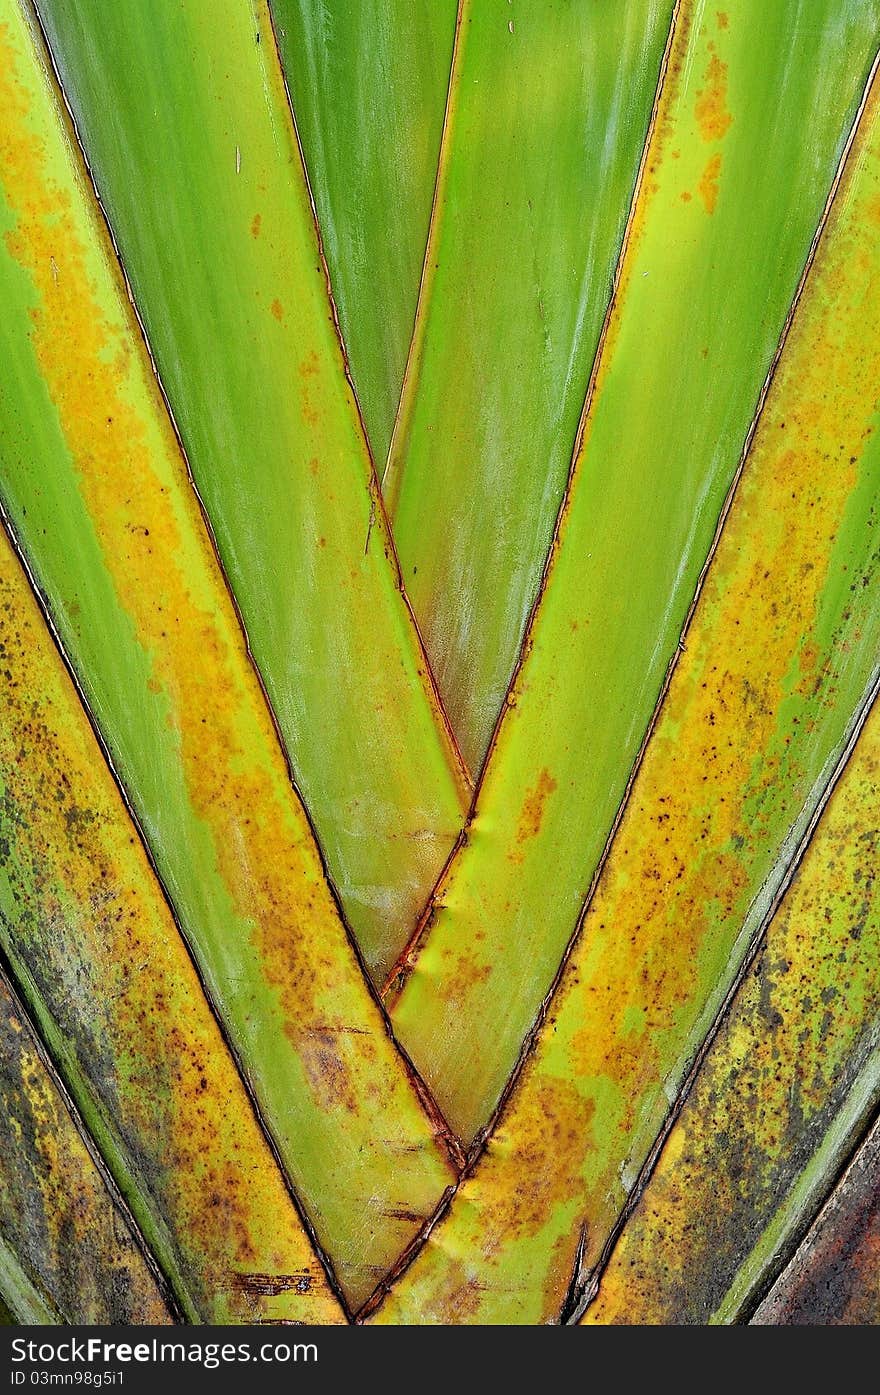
column 297, row 1022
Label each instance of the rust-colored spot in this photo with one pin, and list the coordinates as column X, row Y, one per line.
column 470, row 969
column 255, row 225
column 708, row 185
column 723, row 19
column 308, row 369
column 325, row 1067
column 533, row 809
column 277, row 309
column 526, row 1186
column 713, row 117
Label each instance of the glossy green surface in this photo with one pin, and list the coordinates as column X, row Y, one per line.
column 549, row 108
column 202, row 181
column 368, row 82
column 708, row 279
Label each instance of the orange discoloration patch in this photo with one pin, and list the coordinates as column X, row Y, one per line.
column 708, row 185
column 533, row 808
column 469, row 969
column 710, row 109
column 277, row 310
column 561, row 1127
column 256, row 224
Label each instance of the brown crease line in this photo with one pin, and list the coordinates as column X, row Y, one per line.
column 391, row 485
column 377, row 501
column 11, row 980
column 429, row 1104
column 584, row 1289
column 530, row 1041
column 777, row 1272
column 405, row 963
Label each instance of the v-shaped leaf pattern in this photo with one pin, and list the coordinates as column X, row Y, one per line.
column 782, row 661
column 217, row 611
column 213, row 221
column 368, row 84
column 659, row 452
column 527, row 239
column 95, row 490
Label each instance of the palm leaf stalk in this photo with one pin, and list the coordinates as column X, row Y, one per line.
column 203, row 183
column 789, row 1082
column 485, row 424
column 368, row 83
